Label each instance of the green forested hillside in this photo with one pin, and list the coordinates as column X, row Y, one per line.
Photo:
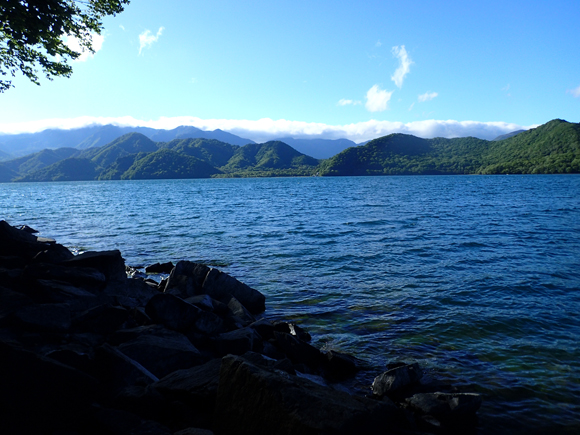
column 213, row 151
column 130, row 143
column 168, row 164
column 71, row 169
column 269, row 159
column 41, row 159
column 551, row 148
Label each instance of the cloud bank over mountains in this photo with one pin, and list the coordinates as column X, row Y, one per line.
column 266, row 129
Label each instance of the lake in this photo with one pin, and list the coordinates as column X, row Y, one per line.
column 477, row 278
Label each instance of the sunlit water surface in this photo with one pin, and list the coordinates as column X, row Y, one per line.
column 476, row 278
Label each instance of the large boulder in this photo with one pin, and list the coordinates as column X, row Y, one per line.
column 220, row 285
column 163, row 354
column 186, row 279
column 110, row 263
column 396, row 379
column 253, row 400
column 172, row 311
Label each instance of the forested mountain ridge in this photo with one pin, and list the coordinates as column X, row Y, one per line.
column 550, row 148
column 134, row 156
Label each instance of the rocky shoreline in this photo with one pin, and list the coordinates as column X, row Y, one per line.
column 91, row 346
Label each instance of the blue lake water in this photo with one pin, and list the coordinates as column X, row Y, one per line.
column 477, row 278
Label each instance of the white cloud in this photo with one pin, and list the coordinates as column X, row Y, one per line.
column 267, row 129
column 378, row 43
column 404, row 65
column 345, row 102
column 427, row 96
column 574, row 92
column 74, row 44
column 146, row 39
column 377, row 99
column 411, row 106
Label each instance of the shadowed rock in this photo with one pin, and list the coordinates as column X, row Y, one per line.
column 252, row 400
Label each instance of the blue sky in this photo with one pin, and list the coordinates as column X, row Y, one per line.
column 360, row 70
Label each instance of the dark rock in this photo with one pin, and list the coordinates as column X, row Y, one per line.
column 41, row 395
column 208, row 323
column 202, row 301
column 396, row 379
column 171, row 311
column 45, row 317
column 116, row 370
column 130, row 293
column 340, row 365
column 160, row 268
column 194, row 431
column 78, row 358
column 54, row 253
column 298, row 351
column 219, row 285
column 241, row 316
column 292, row 329
column 85, row 277
column 196, row 387
column 264, row 327
column 103, row 319
column 141, row 400
column 162, row 355
column 27, row 229
column 186, row 279
column 75, row 296
column 109, row 263
column 117, row 422
column 11, row 301
column 237, row 342
column 446, row 405
column 252, row 400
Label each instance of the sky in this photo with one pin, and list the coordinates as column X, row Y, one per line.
column 319, row 69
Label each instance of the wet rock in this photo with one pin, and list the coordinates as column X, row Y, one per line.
column 340, row 365
column 186, row 279
column 265, row 328
column 444, row 406
column 292, row 329
column 396, row 379
column 241, row 316
column 110, row 263
column 219, row 285
column 160, row 268
column 253, row 400
column 298, row 351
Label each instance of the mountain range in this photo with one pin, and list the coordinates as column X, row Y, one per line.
column 550, row 148
column 17, row 145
